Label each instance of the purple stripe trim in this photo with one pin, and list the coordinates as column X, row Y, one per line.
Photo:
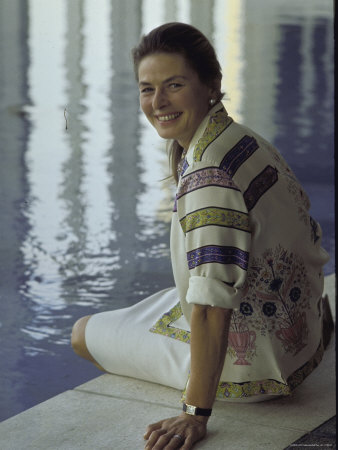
column 218, row 254
column 259, row 185
column 210, row 176
column 238, row 155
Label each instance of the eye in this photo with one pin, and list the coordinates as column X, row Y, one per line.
column 146, row 90
column 175, row 85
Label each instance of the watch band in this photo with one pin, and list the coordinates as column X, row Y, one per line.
column 195, row 411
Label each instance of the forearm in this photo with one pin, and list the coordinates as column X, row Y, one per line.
column 209, row 338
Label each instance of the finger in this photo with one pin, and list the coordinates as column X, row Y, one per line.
column 190, row 441
column 177, row 441
column 152, row 427
column 165, row 441
column 154, row 437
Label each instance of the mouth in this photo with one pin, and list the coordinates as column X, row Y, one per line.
column 168, row 117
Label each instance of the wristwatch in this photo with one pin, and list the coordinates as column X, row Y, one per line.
column 195, row 411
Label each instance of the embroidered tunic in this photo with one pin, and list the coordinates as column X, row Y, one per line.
column 242, row 238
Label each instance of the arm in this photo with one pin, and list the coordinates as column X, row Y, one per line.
column 209, row 340
column 209, row 336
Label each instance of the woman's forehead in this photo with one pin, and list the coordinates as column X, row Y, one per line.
column 163, row 66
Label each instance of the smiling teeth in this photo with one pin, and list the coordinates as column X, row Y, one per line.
column 168, row 117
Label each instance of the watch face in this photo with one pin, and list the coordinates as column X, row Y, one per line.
column 191, row 410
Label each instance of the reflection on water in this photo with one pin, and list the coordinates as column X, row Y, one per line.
column 84, row 213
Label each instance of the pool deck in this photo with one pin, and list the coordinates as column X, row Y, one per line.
column 111, row 412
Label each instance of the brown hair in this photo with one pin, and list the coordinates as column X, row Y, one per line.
column 185, row 39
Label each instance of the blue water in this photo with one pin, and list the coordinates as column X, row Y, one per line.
column 84, row 215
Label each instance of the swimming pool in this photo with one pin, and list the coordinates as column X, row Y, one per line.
column 84, row 214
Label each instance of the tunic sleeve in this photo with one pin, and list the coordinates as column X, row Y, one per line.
column 215, row 222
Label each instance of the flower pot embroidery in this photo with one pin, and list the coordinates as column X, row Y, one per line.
column 242, row 342
column 292, row 335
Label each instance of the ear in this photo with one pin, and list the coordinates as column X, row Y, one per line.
column 214, row 91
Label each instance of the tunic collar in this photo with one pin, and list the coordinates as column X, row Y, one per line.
column 216, row 112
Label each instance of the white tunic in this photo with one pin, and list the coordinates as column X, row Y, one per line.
column 242, row 238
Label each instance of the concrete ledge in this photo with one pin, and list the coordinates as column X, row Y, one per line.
column 112, row 412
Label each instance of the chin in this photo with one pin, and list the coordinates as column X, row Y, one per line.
column 165, row 134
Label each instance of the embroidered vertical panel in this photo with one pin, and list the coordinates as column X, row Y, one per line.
column 299, row 375
column 259, row 185
column 314, row 230
column 238, row 155
column 217, row 124
column 210, row 176
column 184, row 167
column 218, row 254
column 213, row 215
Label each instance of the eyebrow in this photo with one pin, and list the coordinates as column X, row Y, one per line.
column 145, row 83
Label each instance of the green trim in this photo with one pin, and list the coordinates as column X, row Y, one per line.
column 163, row 325
column 217, row 124
column 231, row 390
column 213, row 215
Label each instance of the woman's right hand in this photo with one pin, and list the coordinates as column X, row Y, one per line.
column 177, row 432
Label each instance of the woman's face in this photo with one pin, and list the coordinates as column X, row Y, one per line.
column 172, row 97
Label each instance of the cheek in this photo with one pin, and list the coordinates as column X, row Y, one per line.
column 144, row 104
column 193, row 103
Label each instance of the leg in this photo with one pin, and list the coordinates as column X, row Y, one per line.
column 79, row 342
column 122, row 341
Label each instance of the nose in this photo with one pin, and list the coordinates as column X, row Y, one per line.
column 160, row 100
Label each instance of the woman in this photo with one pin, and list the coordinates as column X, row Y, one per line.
column 246, row 255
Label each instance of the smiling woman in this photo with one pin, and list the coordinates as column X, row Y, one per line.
column 172, row 96
column 245, row 320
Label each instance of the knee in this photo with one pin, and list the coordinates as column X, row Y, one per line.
column 78, row 339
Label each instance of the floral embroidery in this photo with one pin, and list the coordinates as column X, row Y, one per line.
column 217, row 254
column 259, row 185
column 222, row 217
column 246, row 309
column 211, row 176
column 295, row 294
column 275, row 284
column 278, row 290
column 232, row 390
column 241, row 342
column 301, row 199
column 269, row 309
column 218, row 122
column 238, row 155
column 164, row 325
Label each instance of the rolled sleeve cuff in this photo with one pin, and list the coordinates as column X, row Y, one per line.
column 212, row 292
